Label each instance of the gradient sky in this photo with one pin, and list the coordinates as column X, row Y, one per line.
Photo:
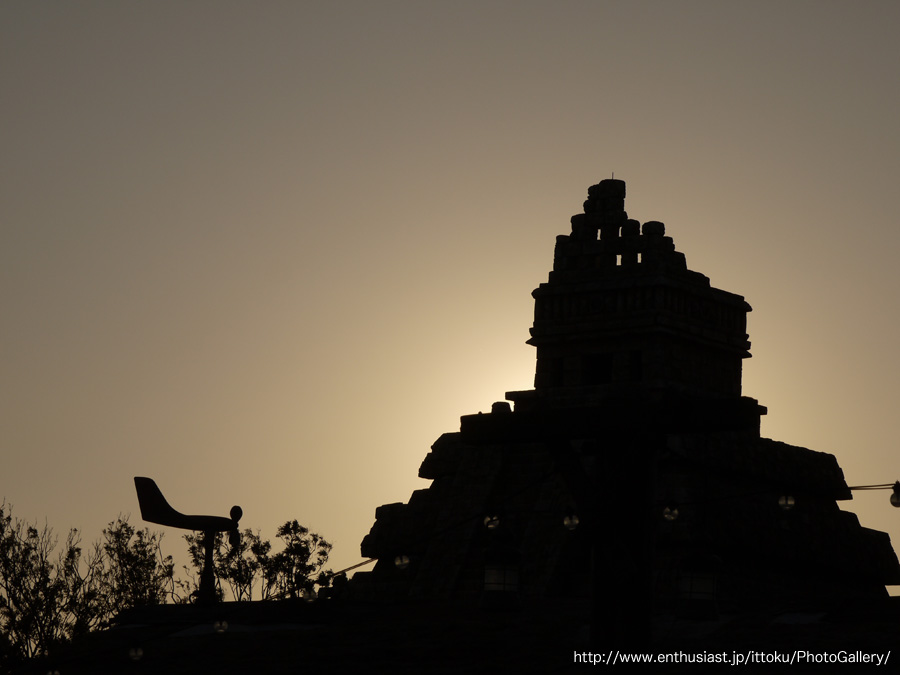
column 267, row 252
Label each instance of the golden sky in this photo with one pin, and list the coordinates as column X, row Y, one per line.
column 267, row 252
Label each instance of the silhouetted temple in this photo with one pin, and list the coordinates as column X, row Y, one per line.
column 634, row 472
column 628, row 492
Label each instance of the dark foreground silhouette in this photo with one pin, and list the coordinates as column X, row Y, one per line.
column 626, row 503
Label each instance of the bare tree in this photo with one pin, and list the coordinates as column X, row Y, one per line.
column 47, row 598
column 50, row 595
column 250, row 566
column 38, row 591
column 135, row 572
column 299, row 567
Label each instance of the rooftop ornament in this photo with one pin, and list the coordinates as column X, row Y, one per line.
column 155, row 509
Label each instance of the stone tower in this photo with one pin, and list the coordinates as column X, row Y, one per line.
column 633, row 475
column 622, row 312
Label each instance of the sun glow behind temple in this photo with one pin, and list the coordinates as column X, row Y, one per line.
column 267, row 257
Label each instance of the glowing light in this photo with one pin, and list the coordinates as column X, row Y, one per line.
column 492, row 522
